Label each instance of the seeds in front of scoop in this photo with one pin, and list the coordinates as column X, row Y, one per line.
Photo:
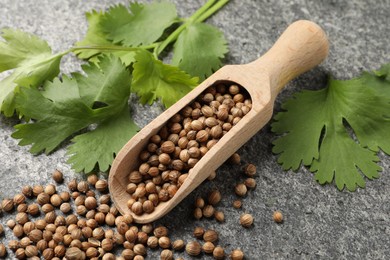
column 170, row 154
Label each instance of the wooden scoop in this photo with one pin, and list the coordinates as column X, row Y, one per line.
column 301, row 47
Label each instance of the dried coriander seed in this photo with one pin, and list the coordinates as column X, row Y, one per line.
column 246, row 220
column 250, row 170
column 166, row 254
column 58, row 176
column 237, row 254
column 193, row 248
column 210, row 236
column 3, row 250
column 208, row 211
column 208, row 247
column 240, row 189
column 277, row 217
column 219, row 216
column 198, row 232
column 219, row 253
column 214, row 197
column 250, row 183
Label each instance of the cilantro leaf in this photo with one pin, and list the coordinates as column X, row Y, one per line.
column 191, row 54
column 32, row 61
column 95, row 36
column 337, row 130
column 58, row 115
column 105, row 141
column 153, row 79
column 128, row 27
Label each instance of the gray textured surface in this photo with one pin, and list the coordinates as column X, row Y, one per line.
column 320, row 222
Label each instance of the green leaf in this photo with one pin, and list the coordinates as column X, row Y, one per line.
column 337, row 130
column 97, row 37
column 67, row 106
column 153, row 79
column 32, row 61
column 141, row 24
column 199, row 50
column 100, row 145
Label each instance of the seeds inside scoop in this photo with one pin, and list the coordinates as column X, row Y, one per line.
column 166, row 160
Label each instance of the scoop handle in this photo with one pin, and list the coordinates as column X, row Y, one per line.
column 302, row 46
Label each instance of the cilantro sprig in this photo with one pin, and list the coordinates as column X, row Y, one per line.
column 337, row 131
column 124, row 48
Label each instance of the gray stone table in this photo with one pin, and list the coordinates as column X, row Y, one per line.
column 320, row 221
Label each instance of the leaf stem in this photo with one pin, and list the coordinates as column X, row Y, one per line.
column 211, row 11
column 113, row 48
column 209, row 8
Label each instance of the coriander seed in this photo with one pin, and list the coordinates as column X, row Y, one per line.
column 214, row 197
column 240, row 189
column 250, row 170
column 3, row 250
column 210, row 236
column 166, row 254
column 198, row 232
column 208, row 247
column 250, row 183
column 219, row 216
column 219, row 253
column 208, row 211
column 58, row 176
column 178, row 245
column 246, row 220
column 237, row 254
column 193, row 248
column 277, row 217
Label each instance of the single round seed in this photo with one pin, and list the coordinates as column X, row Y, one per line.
column 101, row 185
column 193, row 248
column 152, row 242
column 246, row 220
column 178, row 245
column 219, row 253
column 7, row 205
column 164, row 242
column 219, row 216
column 210, row 236
column 198, row 232
column 250, row 170
column 250, row 183
column 277, row 217
column 27, row 191
column 235, row 158
column 240, row 189
column 3, row 251
column 19, row 199
column 214, row 197
column 166, row 254
column 83, row 186
column 208, row 247
column 208, row 211
column 237, row 254
column 198, row 213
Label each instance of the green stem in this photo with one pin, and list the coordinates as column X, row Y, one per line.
column 194, row 18
column 113, row 48
column 211, row 11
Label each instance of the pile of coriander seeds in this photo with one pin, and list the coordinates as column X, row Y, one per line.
column 81, row 223
column 76, row 224
column 169, row 155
